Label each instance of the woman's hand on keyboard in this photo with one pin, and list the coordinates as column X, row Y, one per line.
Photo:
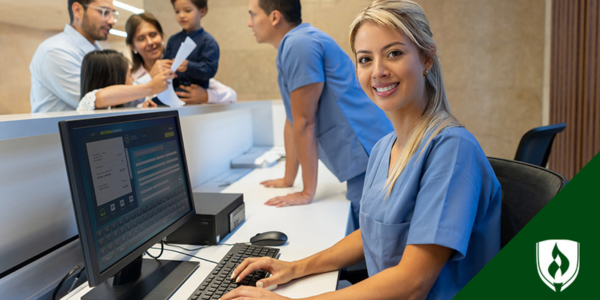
column 281, row 271
column 250, row 292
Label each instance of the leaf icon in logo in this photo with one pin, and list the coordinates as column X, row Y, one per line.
column 554, row 267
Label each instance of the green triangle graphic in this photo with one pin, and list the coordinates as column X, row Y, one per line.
column 574, row 214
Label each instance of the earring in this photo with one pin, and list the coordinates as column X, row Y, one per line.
column 425, row 73
column 135, row 52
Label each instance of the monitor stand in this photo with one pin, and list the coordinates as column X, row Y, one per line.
column 159, row 279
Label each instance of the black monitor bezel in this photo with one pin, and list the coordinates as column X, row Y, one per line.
column 95, row 277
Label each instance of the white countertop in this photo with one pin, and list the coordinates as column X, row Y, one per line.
column 310, row 228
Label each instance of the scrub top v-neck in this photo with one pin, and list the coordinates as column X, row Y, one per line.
column 449, row 196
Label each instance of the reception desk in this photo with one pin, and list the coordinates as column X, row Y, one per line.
column 310, row 229
column 37, row 220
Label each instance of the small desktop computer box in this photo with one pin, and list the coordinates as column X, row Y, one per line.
column 217, row 215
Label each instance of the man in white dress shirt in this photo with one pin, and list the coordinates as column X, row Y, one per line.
column 56, row 65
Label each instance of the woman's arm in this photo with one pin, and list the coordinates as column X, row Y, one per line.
column 119, row 94
column 216, row 93
column 193, row 94
column 219, row 93
column 412, row 278
column 345, row 253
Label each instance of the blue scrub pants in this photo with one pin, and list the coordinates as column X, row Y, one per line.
column 354, row 194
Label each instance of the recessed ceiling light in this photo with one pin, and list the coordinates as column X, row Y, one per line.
column 128, row 7
column 118, row 32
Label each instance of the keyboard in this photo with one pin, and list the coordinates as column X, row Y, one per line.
column 219, row 282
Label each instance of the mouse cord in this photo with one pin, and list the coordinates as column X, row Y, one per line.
column 162, row 248
column 186, row 249
column 210, row 261
column 196, row 249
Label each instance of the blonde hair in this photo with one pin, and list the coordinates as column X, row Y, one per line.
column 408, row 18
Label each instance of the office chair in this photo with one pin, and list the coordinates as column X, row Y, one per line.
column 536, row 144
column 526, row 189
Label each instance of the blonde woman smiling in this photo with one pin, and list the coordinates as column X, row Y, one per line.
column 430, row 211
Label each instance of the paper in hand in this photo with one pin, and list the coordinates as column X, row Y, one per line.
column 168, row 96
column 184, row 51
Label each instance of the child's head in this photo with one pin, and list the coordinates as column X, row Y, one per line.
column 189, row 13
column 103, row 68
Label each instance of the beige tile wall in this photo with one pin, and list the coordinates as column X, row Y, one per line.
column 492, row 55
column 18, row 45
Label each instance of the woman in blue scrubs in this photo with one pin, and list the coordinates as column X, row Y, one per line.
column 430, row 210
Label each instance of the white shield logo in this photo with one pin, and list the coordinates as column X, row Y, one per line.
column 557, row 263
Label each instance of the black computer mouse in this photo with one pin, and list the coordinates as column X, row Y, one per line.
column 269, row 238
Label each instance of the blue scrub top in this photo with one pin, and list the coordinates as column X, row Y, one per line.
column 348, row 124
column 449, row 196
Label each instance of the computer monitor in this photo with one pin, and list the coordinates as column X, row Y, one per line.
column 130, row 189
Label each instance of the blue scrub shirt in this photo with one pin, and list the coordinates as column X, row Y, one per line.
column 449, row 196
column 348, row 124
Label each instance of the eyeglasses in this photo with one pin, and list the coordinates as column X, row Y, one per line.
column 105, row 12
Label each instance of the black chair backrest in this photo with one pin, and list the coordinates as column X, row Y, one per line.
column 536, row 144
column 526, row 189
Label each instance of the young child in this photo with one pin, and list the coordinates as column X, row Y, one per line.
column 106, row 81
column 203, row 62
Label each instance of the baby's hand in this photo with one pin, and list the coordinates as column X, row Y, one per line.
column 183, row 67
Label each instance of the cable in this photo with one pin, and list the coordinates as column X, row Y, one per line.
column 75, row 280
column 210, row 261
column 162, row 248
column 62, row 281
column 199, row 248
column 176, row 246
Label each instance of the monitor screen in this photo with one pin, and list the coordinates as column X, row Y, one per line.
column 130, row 186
